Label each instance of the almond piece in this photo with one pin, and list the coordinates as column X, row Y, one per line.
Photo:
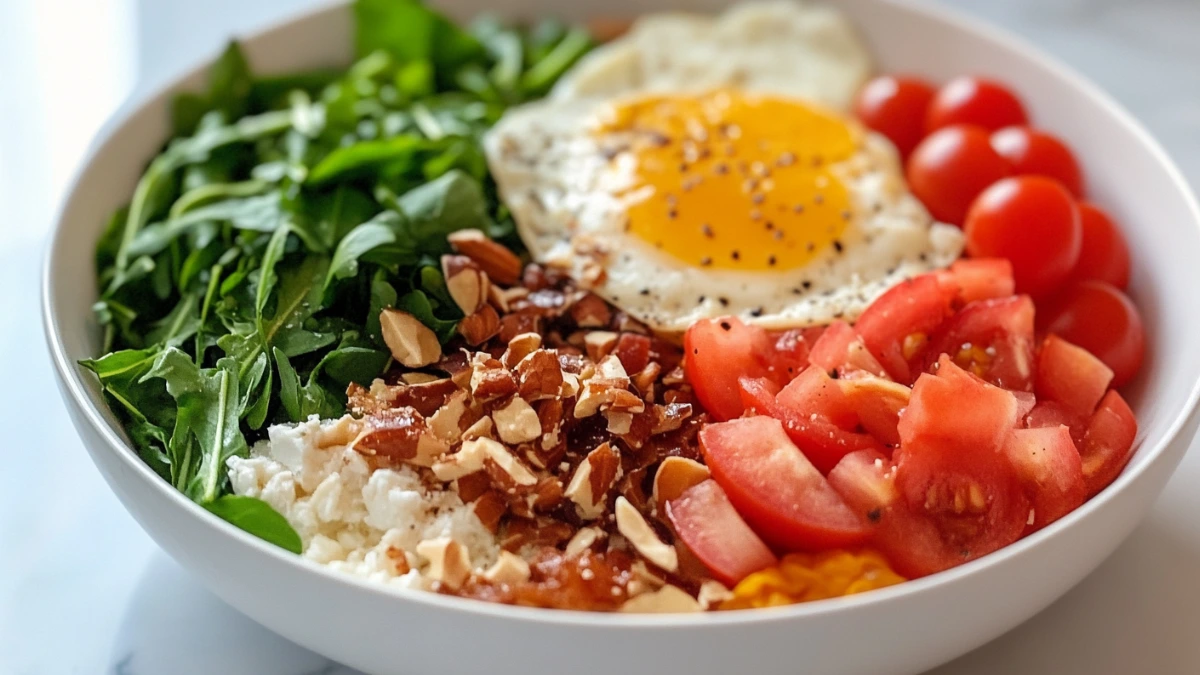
column 592, row 480
column 517, row 422
column 449, row 561
column 500, row 264
column 473, row 457
column 600, row 343
column 540, row 376
column 712, row 594
column 642, row 537
column 467, row 283
column 410, row 341
column 674, row 476
column 509, row 569
column 583, row 540
column 477, row 328
column 619, row 423
column 519, row 347
column 419, row 378
column 591, row 311
column 666, row 600
column 446, row 423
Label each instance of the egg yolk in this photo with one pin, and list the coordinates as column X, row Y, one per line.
column 733, row 180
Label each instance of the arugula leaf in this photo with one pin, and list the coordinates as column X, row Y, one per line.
column 454, row 201
column 388, row 156
column 262, row 213
column 259, row 519
column 386, row 228
column 417, row 303
column 206, row 430
column 412, row 32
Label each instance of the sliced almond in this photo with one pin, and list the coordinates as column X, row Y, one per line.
column 467, row 283
column 642, row 537
column 666, row 600
column 501, row 264
column 473, row 456
column 712, row 594
column 517, row 422
column 509, row 568
column 449, row 561
column 675, row 475
column 411, row 342
column 583, row 540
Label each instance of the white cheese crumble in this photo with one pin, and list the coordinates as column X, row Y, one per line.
column 350, row 517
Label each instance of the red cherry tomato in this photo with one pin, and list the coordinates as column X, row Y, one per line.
column 1103, row 320
column 775, row 488
column 710, row 527
column 895, row 325
column 951, row 167
column 974, row 100
column 1104, row 255
column 895, row 106
column 1032, row 221
column 1107, row 444
column 1071, row 376
column 1038, row 153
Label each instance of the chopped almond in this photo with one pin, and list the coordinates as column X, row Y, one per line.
column 501, row 264
column 411, row 342
column 509, row 569
column 449, row 561
column 642, row 537
column 478, row 327
column 666, row 600
column 517, row 422
column 467, row 283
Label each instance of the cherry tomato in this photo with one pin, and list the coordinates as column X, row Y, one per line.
column 895, row 105
column 1032, row 221
column 1071, row 376
column 1038, row 153
column 951, row 167
column 974, row 100
column 775, row 488
column 1049, row 468
column 1104, row 255
column 1104, row 321
column 709, row 526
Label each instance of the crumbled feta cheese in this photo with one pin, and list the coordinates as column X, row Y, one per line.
column 355, row 520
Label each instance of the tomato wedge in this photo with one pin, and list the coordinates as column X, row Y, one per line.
column 911, row 543
column 993, row 339
column 719, row 351
column 711, row 528
column 1071, row 376
column 877, row 403
column 950, row 466
column 822, row 441
column 1049, row 468
column 841, row 350
column 980, row 278
column 895, row 326
column 775, row 488
column 1107, row 444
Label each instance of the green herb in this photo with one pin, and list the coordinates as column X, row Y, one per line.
column 242, row 284
column 258, row 518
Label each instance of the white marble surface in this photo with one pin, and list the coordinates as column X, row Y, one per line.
column 83, row 590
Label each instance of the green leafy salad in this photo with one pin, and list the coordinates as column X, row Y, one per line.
column 242, row 285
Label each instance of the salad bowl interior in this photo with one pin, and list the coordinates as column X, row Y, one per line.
column 904, row 629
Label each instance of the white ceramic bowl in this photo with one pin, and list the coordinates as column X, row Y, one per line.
column 904, row 629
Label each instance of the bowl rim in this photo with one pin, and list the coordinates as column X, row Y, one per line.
column 76, row 391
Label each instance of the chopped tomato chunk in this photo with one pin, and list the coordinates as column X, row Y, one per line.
column 992, row 339
column 1071, row 376
column 775, row 488
column 841, row 350
column 1049, row 468
column 895, row 326
column 1107, row 444
column 980, row 278
column 711, row 528
column 958, row 407
column 823, row 442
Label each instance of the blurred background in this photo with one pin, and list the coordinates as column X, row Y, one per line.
column 83, row 590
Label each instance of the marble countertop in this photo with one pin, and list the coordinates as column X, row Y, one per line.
column 84, row 590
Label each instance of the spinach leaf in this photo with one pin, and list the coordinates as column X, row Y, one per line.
column 258, row 518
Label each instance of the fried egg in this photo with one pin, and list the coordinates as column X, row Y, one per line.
column 678, row 204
